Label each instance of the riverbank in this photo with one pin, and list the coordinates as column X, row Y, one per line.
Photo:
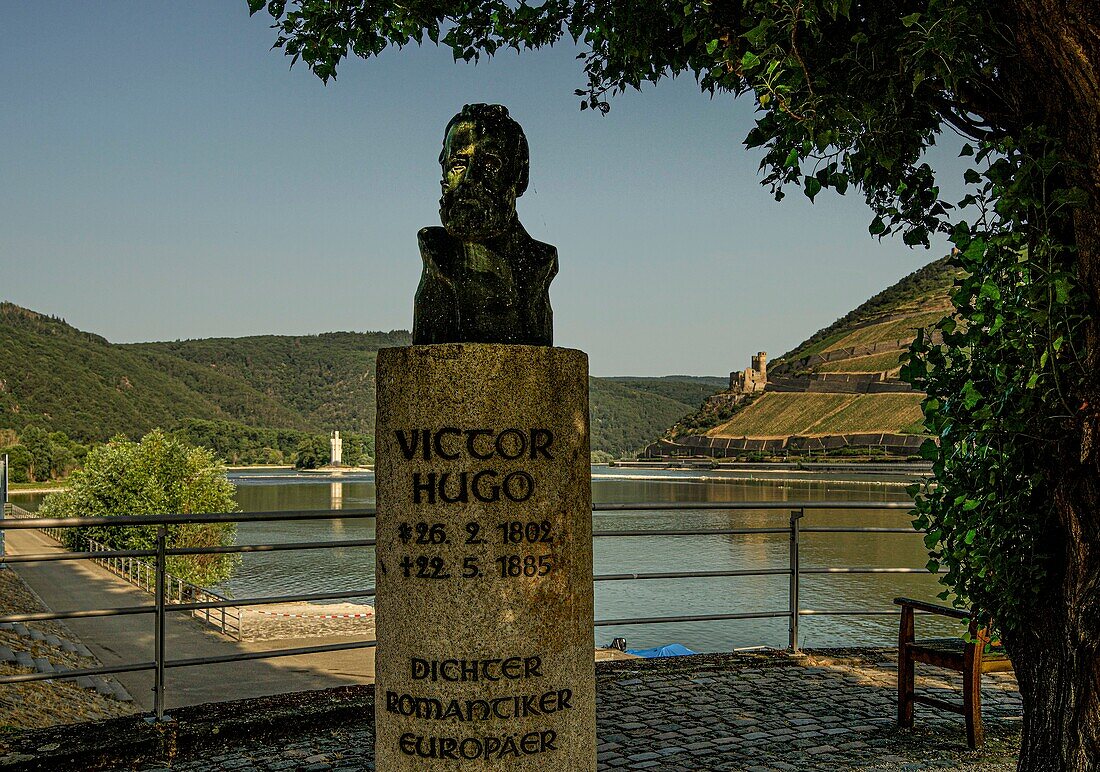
column 46, row 487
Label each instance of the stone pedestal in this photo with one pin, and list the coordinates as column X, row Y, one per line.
column 484, row 560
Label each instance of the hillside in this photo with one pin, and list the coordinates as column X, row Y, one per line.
column 832, row 391
column 59, row 378
column 327, row 380
column 689, row 390
column 63, row 379
column 917, row 300
column 629, row 412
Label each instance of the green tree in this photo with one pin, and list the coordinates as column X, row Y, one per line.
column 358, row 449
column 601, row 457
column 850, row 94
column 159, row 475
column 19, row 463
column 37, row 443
column 313, row 452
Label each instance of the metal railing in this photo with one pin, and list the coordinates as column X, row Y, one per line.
column 226, row 619
column 143, row 575
column 165, row 603
column 10, row 510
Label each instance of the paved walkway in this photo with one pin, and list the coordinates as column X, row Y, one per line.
column 80, row 584
column 714, row 714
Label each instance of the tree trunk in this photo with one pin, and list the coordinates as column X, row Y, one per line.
column 1057, row 657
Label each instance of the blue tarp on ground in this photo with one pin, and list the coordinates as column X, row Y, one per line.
column 672, row 650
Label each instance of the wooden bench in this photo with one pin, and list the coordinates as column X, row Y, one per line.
column 971, row 659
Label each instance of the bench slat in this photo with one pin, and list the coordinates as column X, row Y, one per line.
column 932, row 608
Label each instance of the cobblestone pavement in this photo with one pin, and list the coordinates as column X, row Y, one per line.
column 752, row 713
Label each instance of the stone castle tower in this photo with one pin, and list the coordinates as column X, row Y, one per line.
column 751, row 379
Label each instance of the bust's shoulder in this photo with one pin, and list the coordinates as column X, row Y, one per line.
column 541, row 260
column 543, row 250
column 539, row 253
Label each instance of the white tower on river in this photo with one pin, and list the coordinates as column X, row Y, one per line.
column 337, row 446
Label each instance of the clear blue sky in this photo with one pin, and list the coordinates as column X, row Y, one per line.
column 165, row 175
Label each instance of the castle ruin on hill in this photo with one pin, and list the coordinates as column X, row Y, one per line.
column 751, row 379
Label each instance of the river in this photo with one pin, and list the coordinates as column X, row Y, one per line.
column 350, row 569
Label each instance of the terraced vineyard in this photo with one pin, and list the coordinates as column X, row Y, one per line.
column 921, row 298
column 780, row 415
column 872, row 412
column 817, row 415
column 896, row 329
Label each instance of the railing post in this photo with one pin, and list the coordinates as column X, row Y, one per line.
column 158, row 630
column 792, row 641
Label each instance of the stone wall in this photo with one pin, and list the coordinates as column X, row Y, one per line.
column 838, row 383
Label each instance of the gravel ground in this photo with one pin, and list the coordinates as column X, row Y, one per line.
column 45, row 703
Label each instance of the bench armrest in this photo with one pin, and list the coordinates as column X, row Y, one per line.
column 932, row 608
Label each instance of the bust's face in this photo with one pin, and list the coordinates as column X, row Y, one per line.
column 479, row 186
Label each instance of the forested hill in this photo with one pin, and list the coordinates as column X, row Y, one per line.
column 59, row 378
column 62, row 379
column 327, row 380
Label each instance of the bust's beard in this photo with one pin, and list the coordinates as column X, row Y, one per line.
column 476, row 214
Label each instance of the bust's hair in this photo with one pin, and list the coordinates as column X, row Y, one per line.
column 495, row 118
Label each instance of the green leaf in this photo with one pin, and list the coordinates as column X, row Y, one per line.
column 749, row 61
column 970, row 395
column 712, row 46
column 1061, row 290
column 910, row 20
column 877, row 226
column 792, row 159
column 915, row 236
column 812, row 186
column 757, row 34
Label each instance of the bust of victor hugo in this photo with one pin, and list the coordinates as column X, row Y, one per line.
column 485, row 280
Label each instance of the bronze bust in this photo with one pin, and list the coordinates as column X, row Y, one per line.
column 485, row 280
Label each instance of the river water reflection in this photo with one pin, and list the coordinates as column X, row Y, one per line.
column 350, row 569
column 307, row 571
